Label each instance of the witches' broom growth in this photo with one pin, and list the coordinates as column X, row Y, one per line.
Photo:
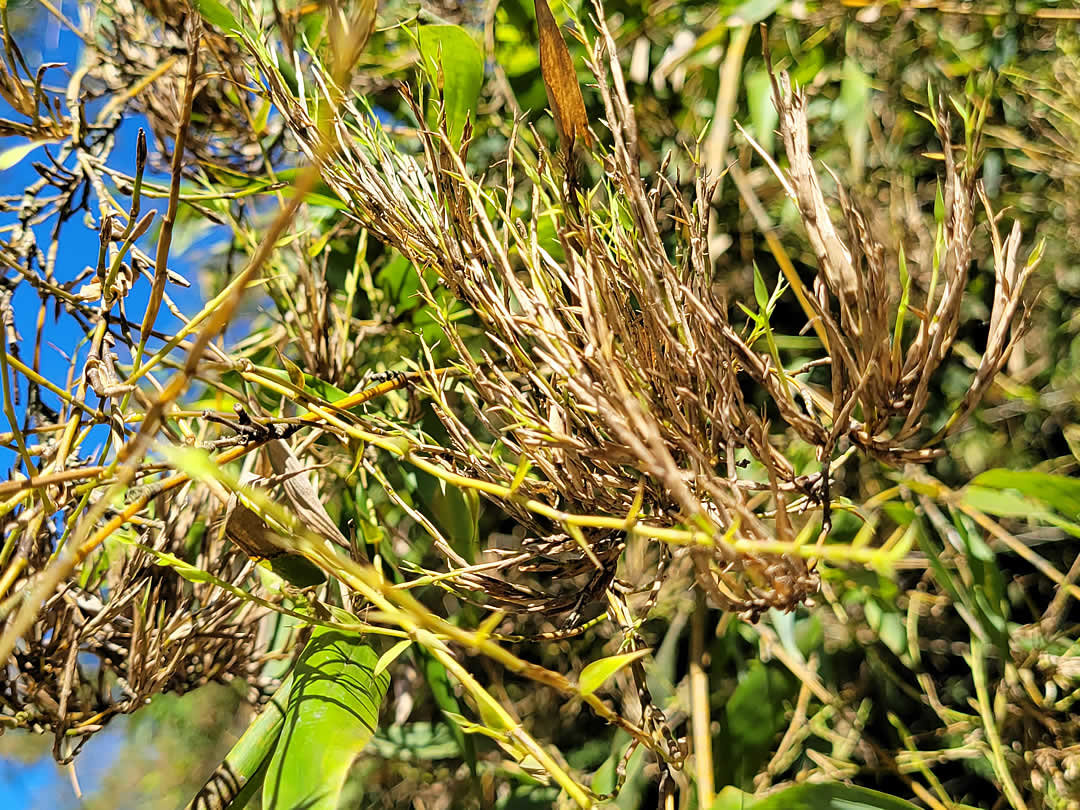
column 578, row 374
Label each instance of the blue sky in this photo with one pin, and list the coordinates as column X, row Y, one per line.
column 45, row 40
column 40, row 783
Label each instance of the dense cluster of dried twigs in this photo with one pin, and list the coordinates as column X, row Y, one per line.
column 616, row 371
column 613, row 395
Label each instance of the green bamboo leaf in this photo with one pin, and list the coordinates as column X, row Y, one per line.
column 761, row 293
column 454, row 62
column 13, row 156
column 831, row 797
column 454, row 512
column 905, row 297
column 388, row 657
column 312, row 384
column 185, row 569
column 763, row 115
column 596, row 673
column 296, row 570
column 332, row 713
column 1058, row 491
column 234, row 782
column 416, row 741
column 519, row 475
column 218, row 15
column 731, row 798
column 752, row 720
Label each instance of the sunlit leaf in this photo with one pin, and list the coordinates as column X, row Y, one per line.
column 596, row 674
column 241, row 773
column 731, row 798
column 388, row 657
column 217, row 14
column 455, row 63
column 13, row 156
column 763, row 115
column 296, row 375
column 761, row 293
column 1058, row 491
column 333, row 711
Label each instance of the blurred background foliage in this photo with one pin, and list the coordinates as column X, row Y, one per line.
column 887, row 699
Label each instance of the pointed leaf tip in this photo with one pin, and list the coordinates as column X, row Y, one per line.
column 560, row 81
column 597, row 673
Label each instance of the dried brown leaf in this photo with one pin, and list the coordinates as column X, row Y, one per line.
column 560, row 81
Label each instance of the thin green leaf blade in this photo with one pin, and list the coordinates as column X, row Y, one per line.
column 596, row 673
column 12, row 156
column 391, row 655
column 217, row 14
column 761, row 293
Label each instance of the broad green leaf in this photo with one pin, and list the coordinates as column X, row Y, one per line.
column 1002, row 503
column 831, row 797
column 400, row 280
column 454, row 62
column 333, row 711
column 416, row 741
column 596, row 673
column 752, row 721
column 1058, row 491
column 243, row 769
column 296, row 570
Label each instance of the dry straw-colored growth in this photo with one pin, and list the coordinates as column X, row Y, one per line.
column 613, row 394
